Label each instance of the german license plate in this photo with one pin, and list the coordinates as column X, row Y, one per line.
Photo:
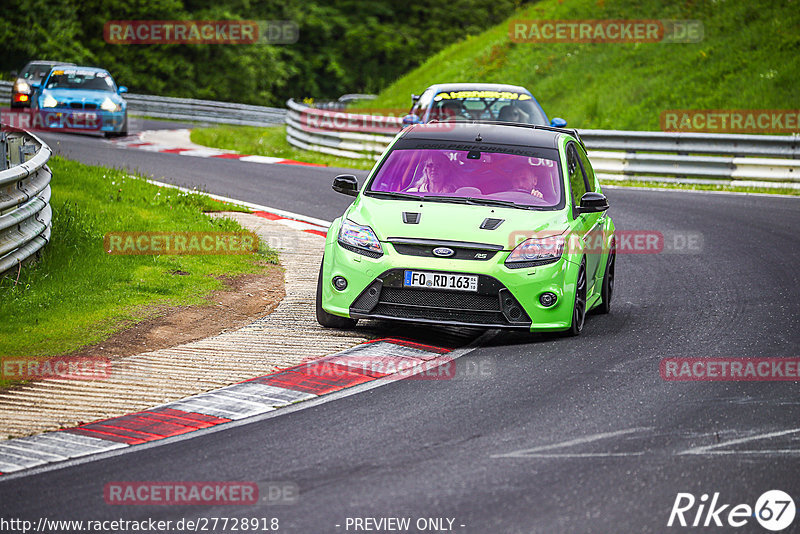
column 459, row 282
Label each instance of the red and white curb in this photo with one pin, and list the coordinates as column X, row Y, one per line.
column 139, row 142
column 383, row 359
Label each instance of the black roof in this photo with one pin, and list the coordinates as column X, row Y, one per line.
column 499, row 133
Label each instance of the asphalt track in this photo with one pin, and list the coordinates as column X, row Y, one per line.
column 534, row 433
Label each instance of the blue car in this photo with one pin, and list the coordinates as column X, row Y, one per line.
column 476, row 102
column 80, row 98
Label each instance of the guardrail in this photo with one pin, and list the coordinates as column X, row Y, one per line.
column 25, row 214
column 746, row 160
column 189, row 109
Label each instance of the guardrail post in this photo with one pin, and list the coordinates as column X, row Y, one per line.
column 3, row 153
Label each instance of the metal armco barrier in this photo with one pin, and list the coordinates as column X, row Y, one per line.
column 25, row 214
column 188, row 109
column 745, row 160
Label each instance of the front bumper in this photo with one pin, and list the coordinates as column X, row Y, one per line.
column 506, row 298
column 96, row 120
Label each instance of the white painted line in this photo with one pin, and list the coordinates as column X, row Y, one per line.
column 250, row 205
column 31, row 450
column 525, row 453
column 707, row 449
column 60, row 447
column 261, row 159
column 85, row 441
column 201, row 153
column 576, row 455
column 14, row 459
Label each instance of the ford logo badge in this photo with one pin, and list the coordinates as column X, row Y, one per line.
column 443, row 252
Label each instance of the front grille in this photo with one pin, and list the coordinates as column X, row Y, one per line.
column 492, row 305
column 76, row 105
column 459, row 253
column 435, row 314
column 439, row 299
column 363, row 252
column 89, row 105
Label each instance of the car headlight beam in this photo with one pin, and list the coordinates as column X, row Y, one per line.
column 109, row 105
column 22, row 87
column 49, row 102
column 359, row 237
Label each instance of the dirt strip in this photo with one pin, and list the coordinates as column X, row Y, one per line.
column 285, row 337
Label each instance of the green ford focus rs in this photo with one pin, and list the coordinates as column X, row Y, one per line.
column 475, row 224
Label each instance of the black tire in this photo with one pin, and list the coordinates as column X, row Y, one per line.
column 328, row 320
column 607, row 291
column 579, row 310
column 122, row 133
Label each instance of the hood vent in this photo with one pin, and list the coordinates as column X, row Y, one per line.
column 410, row 217
column 491, row 224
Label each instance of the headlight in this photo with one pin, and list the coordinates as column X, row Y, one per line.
column 361, row 238
column 49, row 102
column 22, row 87
column 536, row 250
column 109, row 105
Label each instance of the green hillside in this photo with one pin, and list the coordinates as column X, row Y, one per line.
column 748, row 59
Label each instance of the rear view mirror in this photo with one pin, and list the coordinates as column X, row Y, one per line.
column 558, row 122
column 410, row 119
column 347, row 184
column 593, row 202
column 122, row 89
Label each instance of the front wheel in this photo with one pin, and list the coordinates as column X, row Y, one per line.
column 328, row 320
column 579, row 310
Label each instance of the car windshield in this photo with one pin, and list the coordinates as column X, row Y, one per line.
column 487, row 105
column 36, row 72
column 77, row 79
column 491, row 178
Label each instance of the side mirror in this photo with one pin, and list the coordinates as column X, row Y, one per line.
column 14, row 74
column 411, row 119
column 592, row 202
column 558, row 122
column 346, row 184
column 122, row 89
column 414, row 98
column 36, row 85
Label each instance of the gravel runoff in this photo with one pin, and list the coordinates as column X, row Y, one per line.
column 287, row 336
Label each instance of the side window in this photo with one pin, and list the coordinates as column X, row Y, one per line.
column 577, row 180
column 587, row 169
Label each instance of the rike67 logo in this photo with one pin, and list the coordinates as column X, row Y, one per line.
column 774, row 510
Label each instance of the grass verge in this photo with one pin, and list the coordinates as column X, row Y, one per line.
column 271, row 142
column 748, row 59
column 78, row 295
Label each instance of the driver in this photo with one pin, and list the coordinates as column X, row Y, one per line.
column 527, row 181
column 433, row 179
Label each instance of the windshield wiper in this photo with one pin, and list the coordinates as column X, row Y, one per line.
column 393, row 194
column 502, row 203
